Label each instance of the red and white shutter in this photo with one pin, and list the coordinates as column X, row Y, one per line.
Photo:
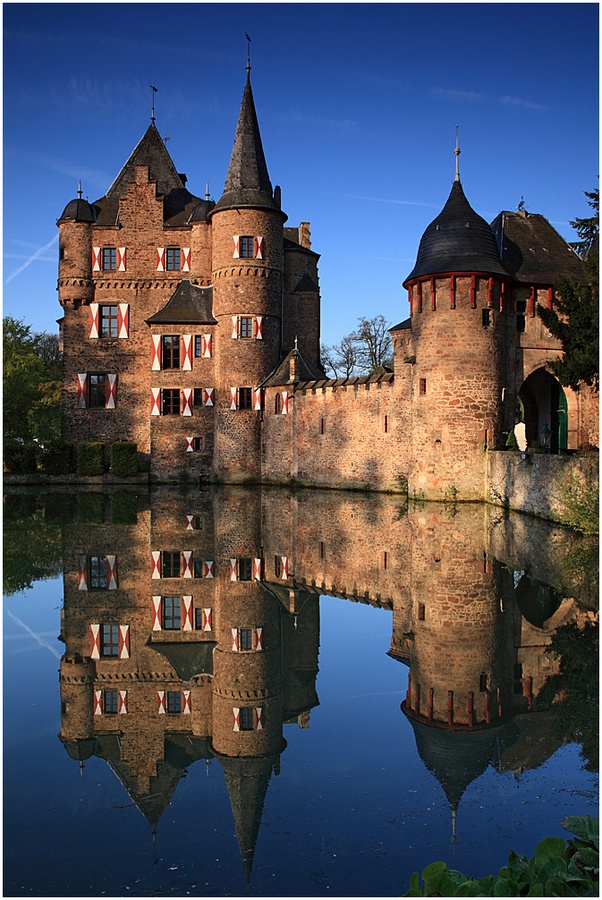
column 235, row 718
column 257, row 399
column 208, row 396
column 284, row 567
column 124, row 642
column 121, row 255
column 186, row 703
column 236, row 246
column 258, row 718
column 95, row 641
column 189, row 519
column 207, row 620
column 155, row 401
column 156, row 353
column 96, row 259
column 186, row 563
column 81, row 390
column 112, row 573
column 234, row 633
column 233, row 398
column 256, row 570
column 82, row 573
column 189, row 449
column 284, row 403
column 259, row 246
column 187, row 618
column 123, row 320
column 233, row 570
column 186, row 401
column 161, row 707
column 111, row 401
column 160, row 259
column 208, row 569
column 94, row 320
column 157, row 607
column 207, row 346
column 185, row 259
column 234, row 332
column 98, row 703
column 259, row 639
column 258, row 328
column 155, row 564
column 123, row 702
column 186, row 341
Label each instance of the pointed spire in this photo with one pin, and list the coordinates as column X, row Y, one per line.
column 79, row 190
column 457, row 153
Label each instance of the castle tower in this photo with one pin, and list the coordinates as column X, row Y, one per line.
column 460, row 296
column 247, row 240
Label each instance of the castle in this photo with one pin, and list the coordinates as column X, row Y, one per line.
column 192, row 328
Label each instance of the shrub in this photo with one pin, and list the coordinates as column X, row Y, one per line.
column 579, row 494
column 19, row 458
column 90, row 458
column 124, row 458
column 90, row 508
column 124, row 508
column 58, row 459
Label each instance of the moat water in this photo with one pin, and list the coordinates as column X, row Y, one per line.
column 413, row 647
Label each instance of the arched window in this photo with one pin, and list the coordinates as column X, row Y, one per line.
column 278, row 404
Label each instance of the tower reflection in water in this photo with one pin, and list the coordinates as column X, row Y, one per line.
column 191, row 630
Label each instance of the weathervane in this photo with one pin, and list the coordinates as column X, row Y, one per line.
column 154, row 90
column 457, row 154
column 248, row 37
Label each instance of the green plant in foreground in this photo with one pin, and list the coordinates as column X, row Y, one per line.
column 558, row 869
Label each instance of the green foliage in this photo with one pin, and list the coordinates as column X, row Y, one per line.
column 90, row 458
column 57, row 459
column 575, row 318
column 557, row 869
column 31, row 543
column 573, row 693
column 579, row 494
column 124, row 508
column 511, row 442
column 90, row 508
column 124, row 458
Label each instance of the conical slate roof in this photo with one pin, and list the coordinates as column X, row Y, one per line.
column 458, row 240
column 247, row 182
column 152, row 152
column 79, row 210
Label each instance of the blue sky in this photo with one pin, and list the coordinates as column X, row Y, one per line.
column 357, row 104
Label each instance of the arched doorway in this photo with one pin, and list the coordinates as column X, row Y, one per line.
column 546, row 412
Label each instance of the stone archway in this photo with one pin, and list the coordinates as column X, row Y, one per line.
column 545, row 406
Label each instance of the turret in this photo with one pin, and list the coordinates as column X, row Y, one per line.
column 75, row 253
column 460, row 297
column 247, row 239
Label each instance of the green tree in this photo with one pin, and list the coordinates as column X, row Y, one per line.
column 574, row 320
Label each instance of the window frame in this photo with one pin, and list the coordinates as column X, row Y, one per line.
column 246, row 247
column 245, row 397
column 171, row 613
column 244, row 569
column 171, row 564
column 170, row 401
column 247, row 718
column 98, row 579
column 173, row 259
column 109, row 641
column 108, row 262
column 170, row 351
column 110, row 702
column 108, row 320
column 245, row 328
column 173, row 702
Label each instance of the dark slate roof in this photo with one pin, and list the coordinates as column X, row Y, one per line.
column 247, row 182
column 188, row 659
column 403, row 326
column 305, row 371
column 458, row 240
column 188, row 305
column 305, row 284
column 180, row 206
column 79, row 210
column 532, row 250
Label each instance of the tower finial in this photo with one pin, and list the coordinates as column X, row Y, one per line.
column 248, row 37
column 155, row 91
column 457, row 154
column 79, row 190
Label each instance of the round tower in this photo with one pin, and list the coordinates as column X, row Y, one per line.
column 75, row 251
column 462, row 403
column 247, row 273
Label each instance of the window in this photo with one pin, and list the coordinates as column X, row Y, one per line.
column 174, row 702
column 423, row 385
column 170, row 402
column 171, row 613
column 245, row 400
column 109, row 641
column 109, row 703
column 385, row 560
column 485, row 318
column 245, row 638
column 386, row 424
column 197, row 568
column 170, row 564
column 246, row 718
column 520, row 323
column 277, row 566
column 172, row 259
column 97, row 391
column 322, row 550
column 322, row 425
column 170, row 347
column 197, row 443
column 109, row 320
column 278, row 404
column 246, row 247
column 245, row 569
column 245, row 326
column 109, row 259
column 421, row 612
column 198, row 345
column 197, row 397
column 97, row 574
column 483, row 682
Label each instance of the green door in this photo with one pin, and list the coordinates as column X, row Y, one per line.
column 563, row 422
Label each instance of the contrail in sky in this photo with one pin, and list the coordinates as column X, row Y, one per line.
column 42, row 643
column 32, row 258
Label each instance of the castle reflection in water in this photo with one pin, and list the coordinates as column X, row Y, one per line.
column 191, row 630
